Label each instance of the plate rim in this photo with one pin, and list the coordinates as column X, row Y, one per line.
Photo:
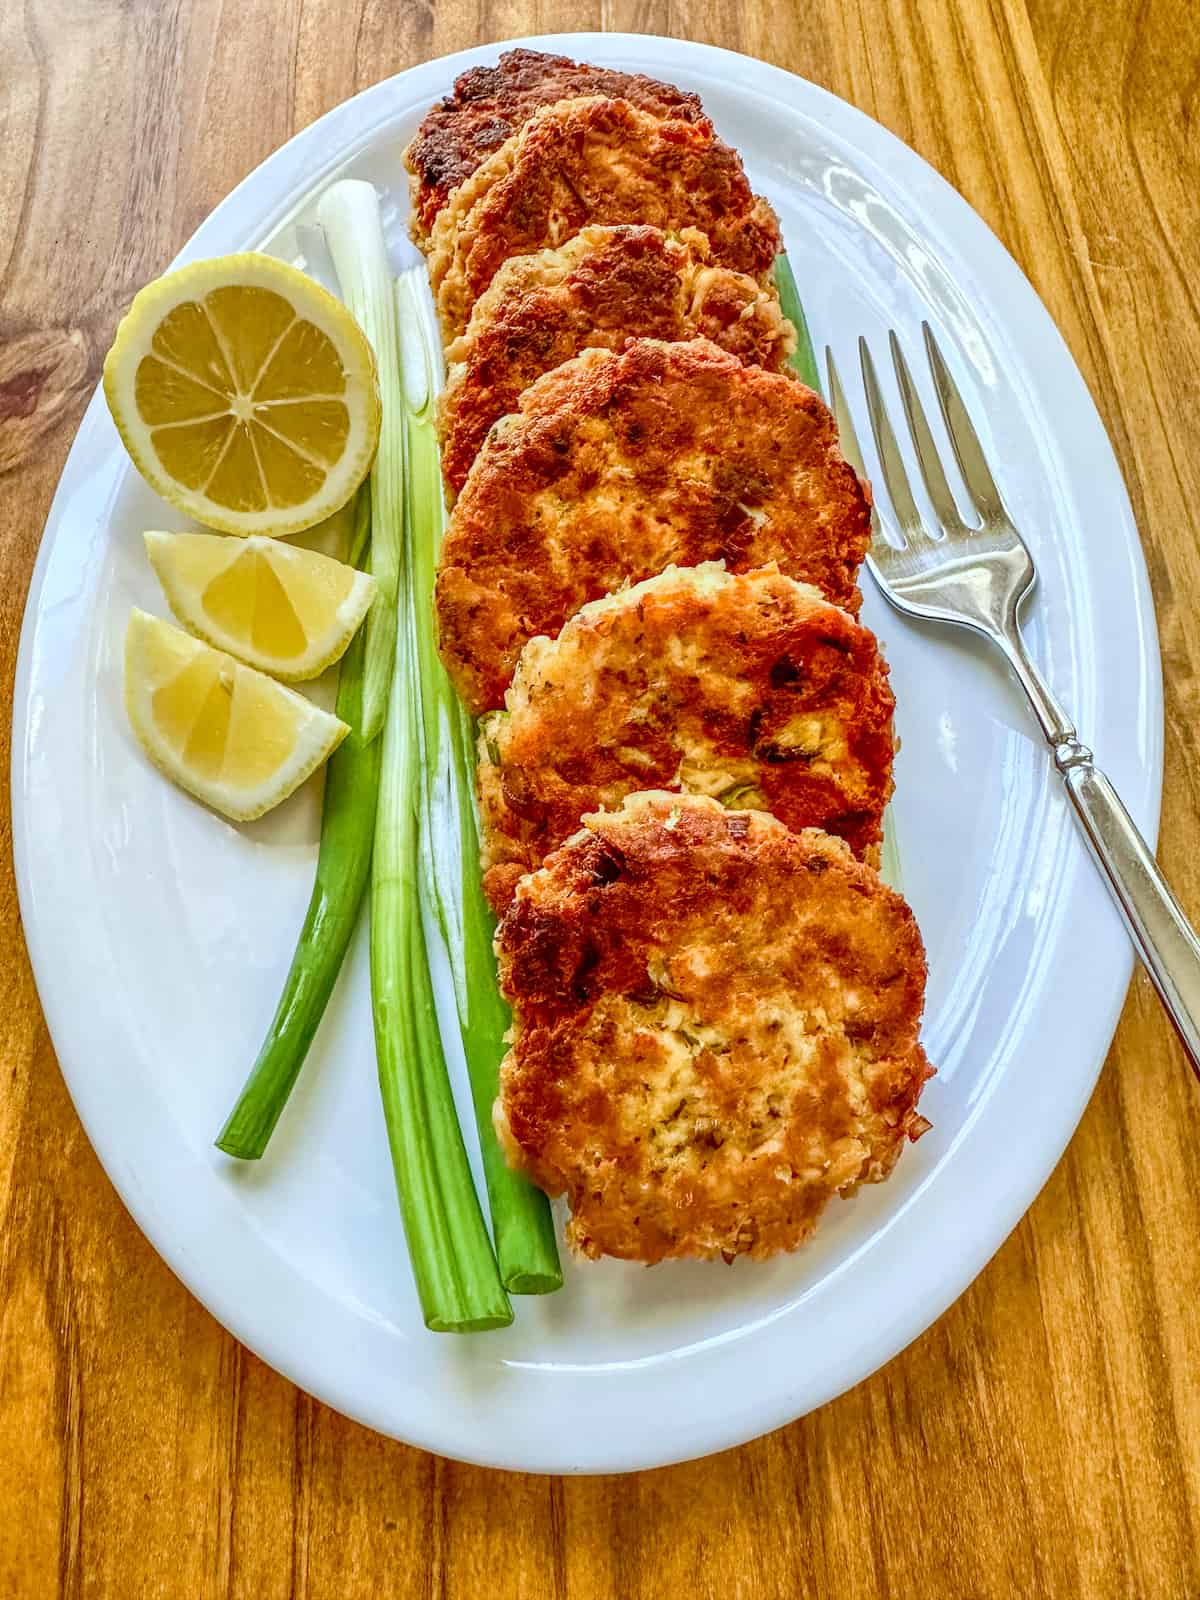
column 754, row 1418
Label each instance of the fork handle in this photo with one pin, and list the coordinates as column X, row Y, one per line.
column 1164, row 938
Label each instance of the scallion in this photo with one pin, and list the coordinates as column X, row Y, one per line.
column 349, row 213
column 453, row 1265
column 343, row 863
column 803, row 360
column 521, row 1219
column 452, row 1258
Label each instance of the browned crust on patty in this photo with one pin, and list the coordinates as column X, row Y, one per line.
column 716, row 1029
column 594, row 161
column 601, row 288
column 490, row 104
column 749, row 688
column 619, row 465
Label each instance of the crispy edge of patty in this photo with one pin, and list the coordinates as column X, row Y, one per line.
column 593, row 160
column 603, row 287
column 716, row 1029
column 489, row 104
column 505, row 574
column 750, row 688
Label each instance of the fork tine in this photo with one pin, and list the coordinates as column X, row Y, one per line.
column 895, row 476
column 841, row 413
column 968, row 451
column 848, row 439
column 928, row 459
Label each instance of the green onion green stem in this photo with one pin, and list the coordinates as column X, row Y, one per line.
column 455, row 1271
column 343, row 864
column 521, row 1220
column 889, row 855
column 804, row 360
column 452, row 1258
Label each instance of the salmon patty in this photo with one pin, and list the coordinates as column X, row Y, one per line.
column 617, row 466
column 490, row 104
column 751, row 689
column 716, row 1030
column 593, row 161
column 601, row 288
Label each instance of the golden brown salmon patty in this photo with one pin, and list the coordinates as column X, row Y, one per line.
column 618, row 465
column 715, row 1029
column 490, row 104
column 750, row 688
column 603, row 287
column 593, row 161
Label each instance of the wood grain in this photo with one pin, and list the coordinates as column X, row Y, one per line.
column 1042, row 1438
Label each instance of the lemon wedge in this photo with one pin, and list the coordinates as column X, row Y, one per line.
column 287, row 611
column 245, row 394
column 227, row 734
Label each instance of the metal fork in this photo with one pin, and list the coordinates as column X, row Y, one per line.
column 978, row 577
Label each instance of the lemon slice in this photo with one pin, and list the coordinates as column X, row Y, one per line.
column 287, row 611
column 231, row 736
column 245, row 394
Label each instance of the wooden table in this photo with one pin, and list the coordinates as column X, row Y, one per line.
column 1044, row 1437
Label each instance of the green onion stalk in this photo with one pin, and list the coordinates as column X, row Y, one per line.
column 521, row 1220
column 349, row 213
column 804, row 363
column 453, row 1263
column 803, row 360
column 343, row 865
column 889, row 855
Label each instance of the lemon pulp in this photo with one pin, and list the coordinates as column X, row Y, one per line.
column 288, row 611
column 226, row 733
